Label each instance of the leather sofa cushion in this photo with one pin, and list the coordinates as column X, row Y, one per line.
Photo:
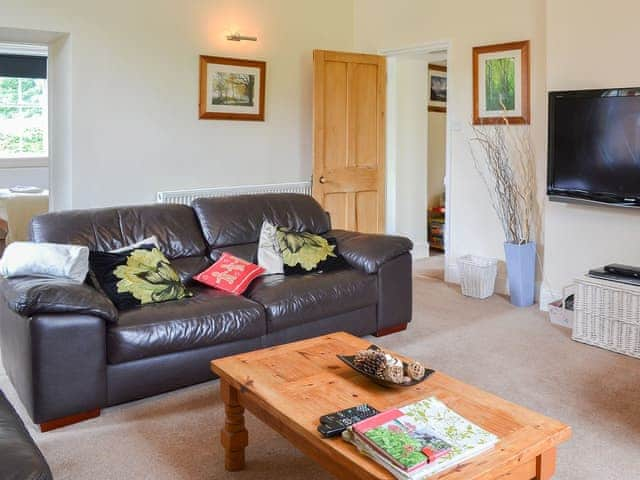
column 105, row 229
column 188, row 267
column 297, row 299
column 247, row 251
column 367, row 251
column 20, row 458
column 208, row 318
column 237, row 220
column 28, row 296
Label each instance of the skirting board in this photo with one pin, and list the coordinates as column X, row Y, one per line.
column 547, row 296
column 420, row 250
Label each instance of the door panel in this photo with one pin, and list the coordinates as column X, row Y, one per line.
column 363, row 91
column 337, row 204
column 349, row 101
column 335, row 141
column 366, row 215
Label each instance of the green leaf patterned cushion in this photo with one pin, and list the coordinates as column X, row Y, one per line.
column 306, row 252
column 136, row 277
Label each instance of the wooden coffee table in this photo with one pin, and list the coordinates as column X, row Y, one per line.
column 290, row 386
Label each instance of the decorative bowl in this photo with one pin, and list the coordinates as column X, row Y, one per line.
column 349, row 360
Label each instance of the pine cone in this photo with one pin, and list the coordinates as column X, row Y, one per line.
column 371, row 361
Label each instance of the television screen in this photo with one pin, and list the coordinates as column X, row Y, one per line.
column 594, row 145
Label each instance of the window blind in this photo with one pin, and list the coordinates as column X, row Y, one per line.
column 23, row 66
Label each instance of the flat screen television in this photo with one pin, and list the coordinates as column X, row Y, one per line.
column 594, row 146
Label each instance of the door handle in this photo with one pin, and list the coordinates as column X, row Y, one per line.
column 322, row 180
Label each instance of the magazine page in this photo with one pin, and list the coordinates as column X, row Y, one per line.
column 406, row 443
column 423, row 473
column 429, row 417
column 463, row 435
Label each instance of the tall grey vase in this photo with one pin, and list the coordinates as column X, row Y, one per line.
column 521, row 271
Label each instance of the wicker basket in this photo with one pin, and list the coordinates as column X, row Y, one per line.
column 477, row 275
column 607, row 315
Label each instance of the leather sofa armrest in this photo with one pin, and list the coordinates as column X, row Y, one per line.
column 28, row 296
column 368, row 252
column 20, row 458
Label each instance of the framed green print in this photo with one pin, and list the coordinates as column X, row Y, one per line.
column 501, row 83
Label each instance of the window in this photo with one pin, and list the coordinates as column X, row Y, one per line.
column 23, row 117
column 23, row 106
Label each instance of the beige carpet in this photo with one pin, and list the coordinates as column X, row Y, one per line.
column 512, row 352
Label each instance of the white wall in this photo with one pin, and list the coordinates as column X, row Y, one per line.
column 381, row 24
column 589, row 47
column 133, row 105
column 127, row 87
column 60, row 123
column 436, row 158
column 593, row 47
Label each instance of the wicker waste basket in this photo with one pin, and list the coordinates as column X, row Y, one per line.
column 477, row 275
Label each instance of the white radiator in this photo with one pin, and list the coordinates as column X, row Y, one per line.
column 187, row 196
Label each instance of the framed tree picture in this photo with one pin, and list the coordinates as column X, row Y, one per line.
column 501, row 83
column 437, row 88
column 232, row 88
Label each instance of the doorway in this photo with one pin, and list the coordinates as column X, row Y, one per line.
column 436, row 157
column 418, row 153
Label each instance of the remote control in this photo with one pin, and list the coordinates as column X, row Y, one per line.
column 335, row 423
column 624, row 270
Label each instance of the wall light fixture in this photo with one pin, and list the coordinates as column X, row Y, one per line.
column 236, row 37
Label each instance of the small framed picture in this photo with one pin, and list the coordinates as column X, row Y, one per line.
column 437, row 88
column 232, row 88
column 501, row 83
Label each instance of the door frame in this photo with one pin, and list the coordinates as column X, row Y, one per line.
column 392, row 55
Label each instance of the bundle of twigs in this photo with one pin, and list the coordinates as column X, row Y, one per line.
column 507, row 166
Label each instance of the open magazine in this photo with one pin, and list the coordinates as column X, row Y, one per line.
column 419, row 440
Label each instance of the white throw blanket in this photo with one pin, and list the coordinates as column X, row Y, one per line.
column 45, row 260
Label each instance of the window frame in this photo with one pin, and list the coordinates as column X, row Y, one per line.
column 29, row 161
column 24, row 162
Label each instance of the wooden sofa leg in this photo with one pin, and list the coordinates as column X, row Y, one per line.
column 389, row 330
column 71, row 419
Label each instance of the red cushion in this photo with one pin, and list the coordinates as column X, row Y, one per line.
column 229, row 273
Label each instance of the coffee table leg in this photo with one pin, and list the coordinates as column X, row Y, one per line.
column 234, row 437
column 546, row 465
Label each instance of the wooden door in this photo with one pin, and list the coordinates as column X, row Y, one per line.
column 348, row 127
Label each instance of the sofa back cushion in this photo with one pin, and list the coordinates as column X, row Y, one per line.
column 105, row 229
column 233, row 223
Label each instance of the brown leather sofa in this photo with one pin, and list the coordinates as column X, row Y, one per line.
column 67, row 350
column 20, row 457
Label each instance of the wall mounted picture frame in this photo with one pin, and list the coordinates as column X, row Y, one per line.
column 437, row 88
column 232, row 88
column 501, row 82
